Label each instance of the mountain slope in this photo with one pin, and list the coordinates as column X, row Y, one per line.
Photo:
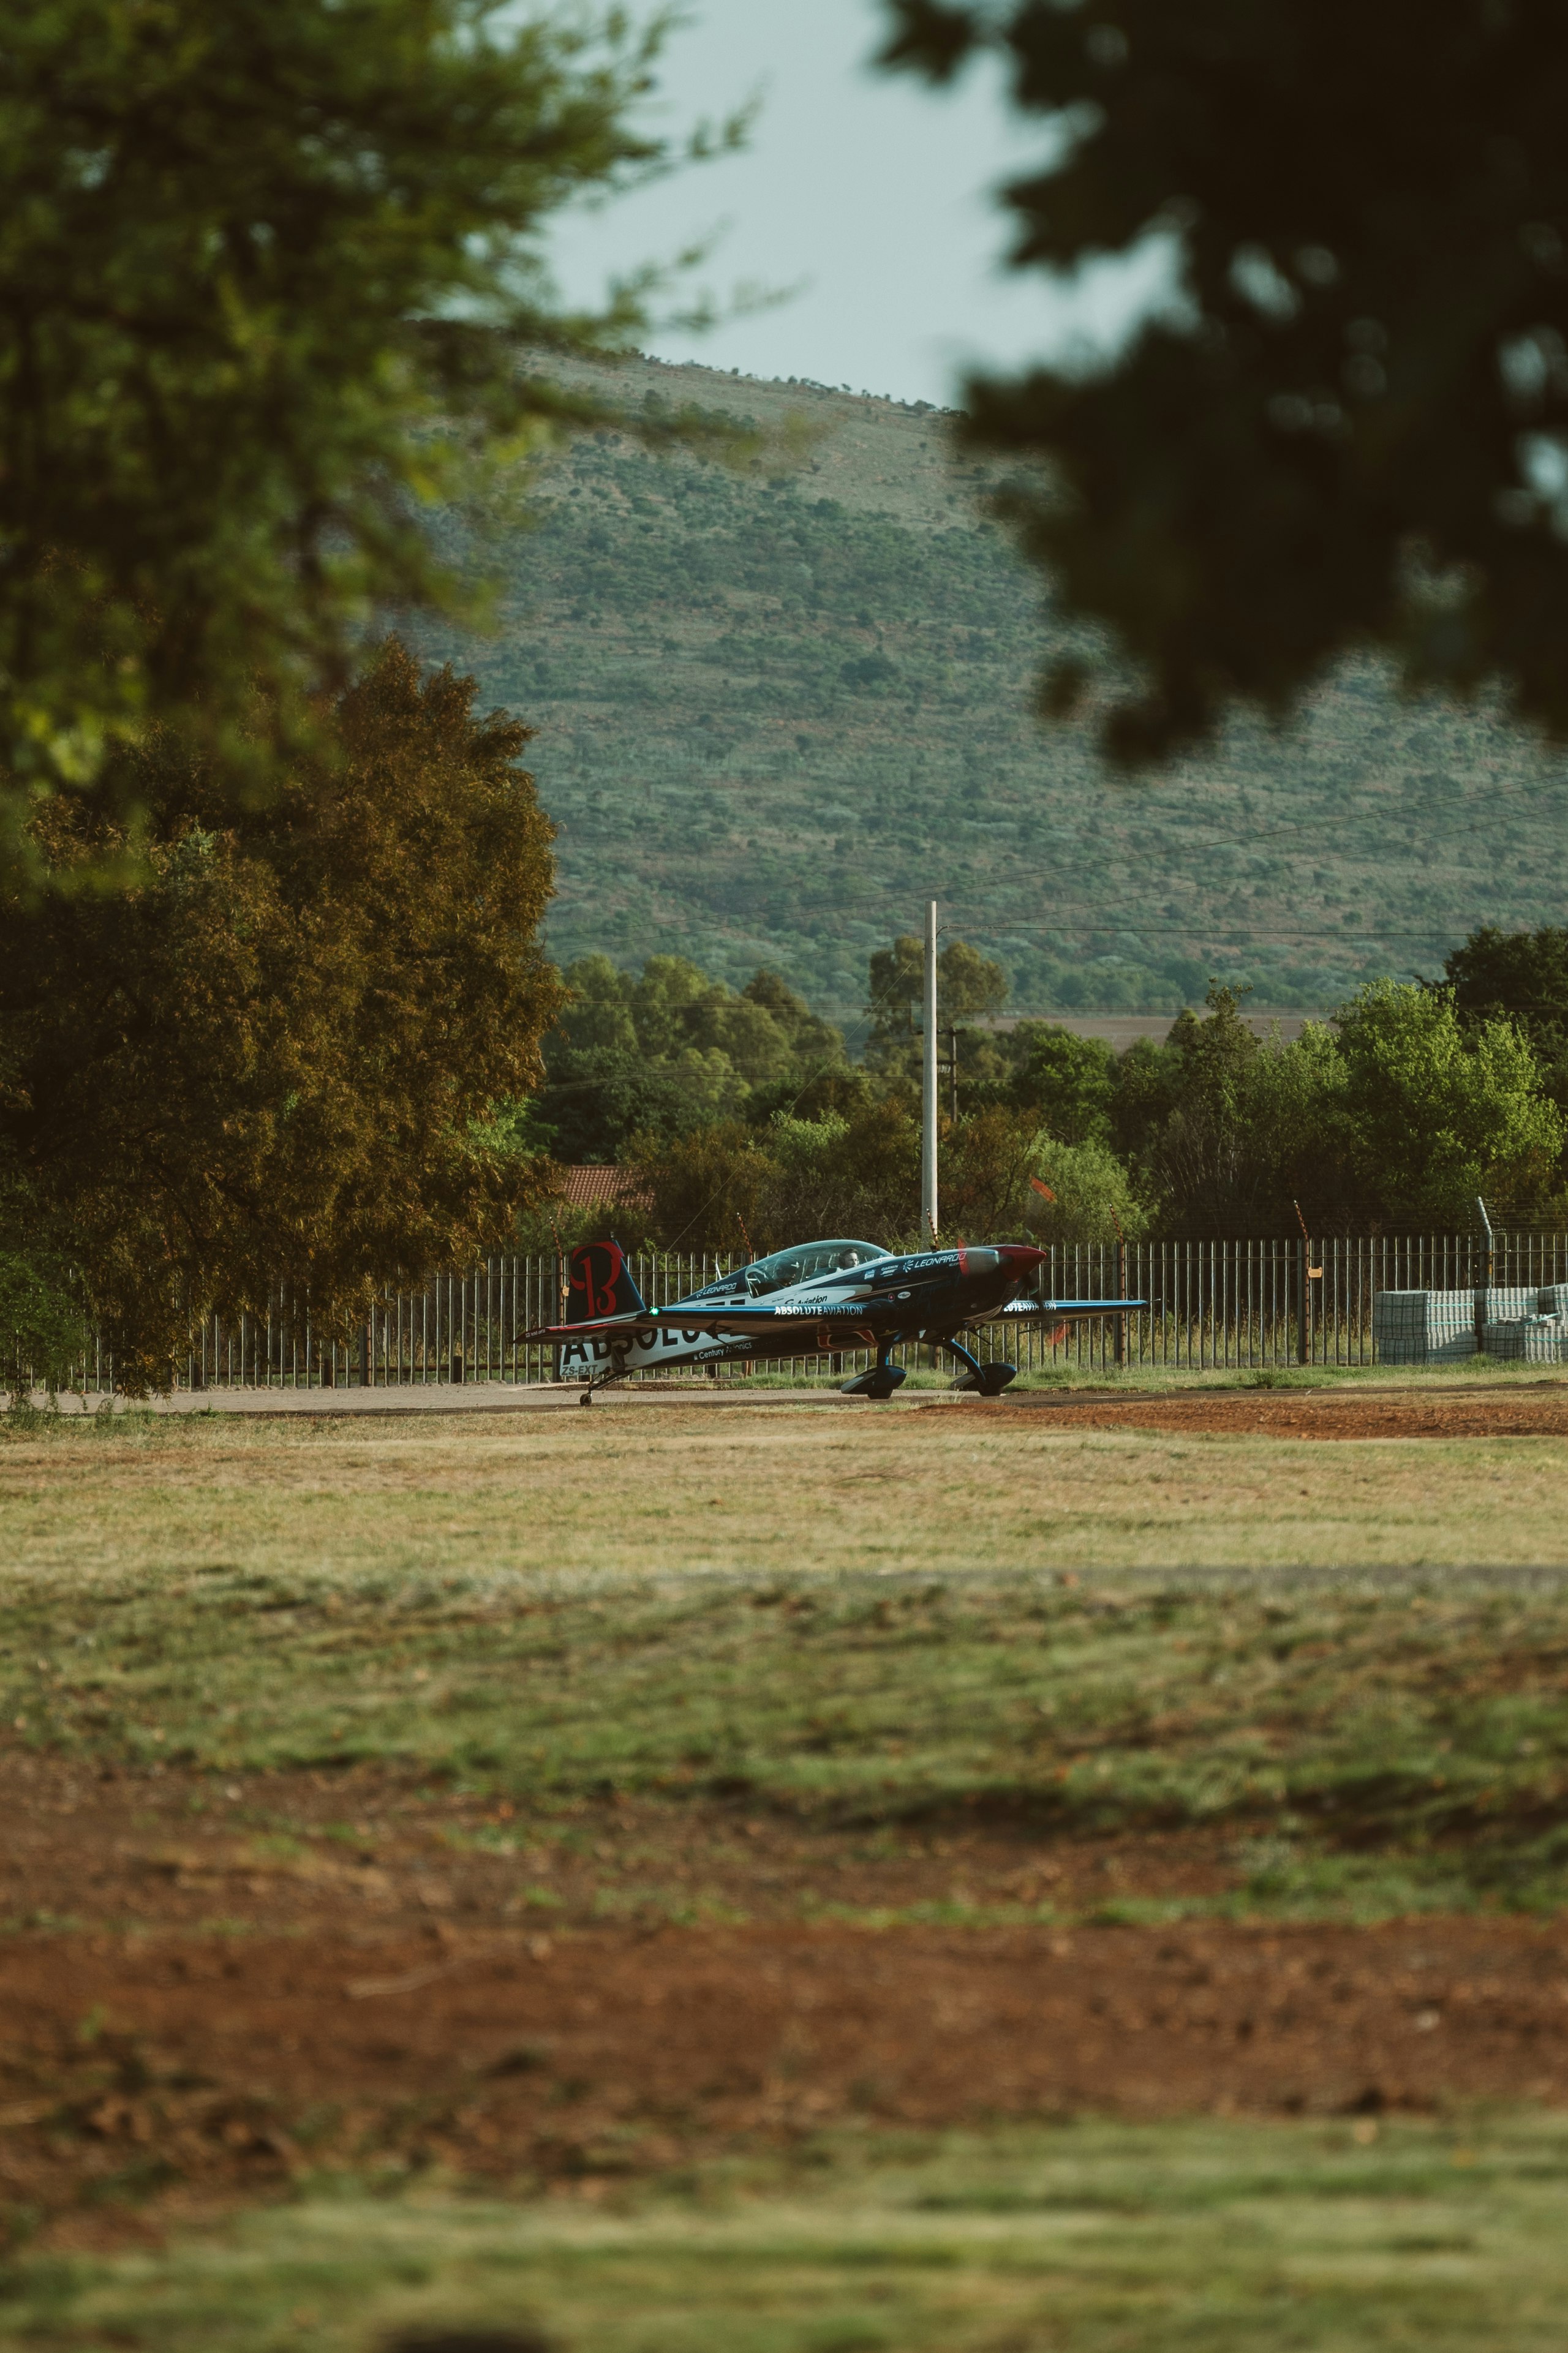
column 779, row 705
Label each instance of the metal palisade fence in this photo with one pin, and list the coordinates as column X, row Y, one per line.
column 1210, row 1305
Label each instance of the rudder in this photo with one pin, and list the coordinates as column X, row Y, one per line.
column 599, row 1284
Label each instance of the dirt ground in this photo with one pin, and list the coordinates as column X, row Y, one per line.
column 300, row 1853
column 1526, row 1411
column 201, row 2064
column 205, row 2009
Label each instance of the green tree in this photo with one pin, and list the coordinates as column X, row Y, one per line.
column 1350, row 424
column 1069, row 1082
column 985, row 1162
column 855, row 1174
column 276, row 1057
column 1438, row 1112
column 1256, row 1127
column 1147, row 1088
column 44, row 1334
column 1522, row 977
column 731, row 1188
column 1221, row 1132
column 657, row 1053
column 706, row 1187
column 268, row 275
column 815, row 1045
column 1089, row 1195
column 596, row 1016
column 966, row 984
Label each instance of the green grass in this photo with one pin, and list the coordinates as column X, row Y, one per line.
column 1086, row 2238
column 872, row 1623
column 1374, row 1744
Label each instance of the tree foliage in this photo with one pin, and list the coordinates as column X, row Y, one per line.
column 44, row 1333
column 1522, row 977
column 656, row 1053
column 1439, row 1112
column 1394, row 1117
column 751, row 1188
column 967, row 983
column 267, row 271
column 276, row 1057
column 756, row 1188
column 1350, row 427
column 1090, row 1195
column 1070, row 1080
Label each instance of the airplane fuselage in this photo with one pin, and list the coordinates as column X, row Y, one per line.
column 888, row 1299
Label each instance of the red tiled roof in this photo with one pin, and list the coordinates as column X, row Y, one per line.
column 584, row 1187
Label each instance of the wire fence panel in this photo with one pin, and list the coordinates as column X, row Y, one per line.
column 1208, row 1305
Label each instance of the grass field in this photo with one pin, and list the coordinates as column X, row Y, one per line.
column 759, row 1490
column 1339, row 1667
column 1095, row 2238
column 870, row 1622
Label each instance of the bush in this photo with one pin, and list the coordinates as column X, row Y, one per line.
column 43, row 1332
column 857, row 1175
column 731, row 1188
column 1439, row 1112
column 706, row 1188
column 1091, row 1195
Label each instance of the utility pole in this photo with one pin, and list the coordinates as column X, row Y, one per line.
column 929, row 1091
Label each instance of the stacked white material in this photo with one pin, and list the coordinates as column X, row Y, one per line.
column 1534, row 1339
column 1507, row 1306
column 1423, row 1327
column 1546, row 1340
column 1439, row 1327
column 1450, row 1326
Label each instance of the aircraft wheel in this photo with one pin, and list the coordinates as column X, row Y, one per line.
column 878, row 1384
column 995, row 1377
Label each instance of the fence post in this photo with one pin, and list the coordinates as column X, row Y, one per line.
column 1303, row 1353
column 1483, row 1288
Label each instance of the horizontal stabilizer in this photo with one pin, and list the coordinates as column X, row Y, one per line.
column 1072, row 1307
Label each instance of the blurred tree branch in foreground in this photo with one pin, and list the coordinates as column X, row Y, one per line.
column 1348, row 426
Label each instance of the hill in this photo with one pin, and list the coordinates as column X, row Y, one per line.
column 781, row 704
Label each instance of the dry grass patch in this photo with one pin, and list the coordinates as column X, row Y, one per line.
column 760, row 1488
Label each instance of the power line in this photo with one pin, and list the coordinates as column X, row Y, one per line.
column 1434, row 932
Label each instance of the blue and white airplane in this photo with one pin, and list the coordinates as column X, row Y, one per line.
column 821, row 1297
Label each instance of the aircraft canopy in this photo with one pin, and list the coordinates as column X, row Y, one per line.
column 807, row 1262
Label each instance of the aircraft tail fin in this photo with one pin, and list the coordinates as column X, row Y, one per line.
column 599, row 1284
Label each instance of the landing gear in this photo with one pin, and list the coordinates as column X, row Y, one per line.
column 990, row 1380
column 880, row 1382
column 601, row 1381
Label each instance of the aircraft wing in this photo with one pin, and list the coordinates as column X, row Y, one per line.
column 724, row 1323
column 1015, row 1307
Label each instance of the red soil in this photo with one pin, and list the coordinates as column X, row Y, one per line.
column 1536, row 1411
column 408, row 2003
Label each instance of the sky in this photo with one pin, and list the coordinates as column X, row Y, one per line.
column 869, row 197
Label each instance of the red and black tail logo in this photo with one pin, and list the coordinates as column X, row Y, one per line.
column 600, row 1284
